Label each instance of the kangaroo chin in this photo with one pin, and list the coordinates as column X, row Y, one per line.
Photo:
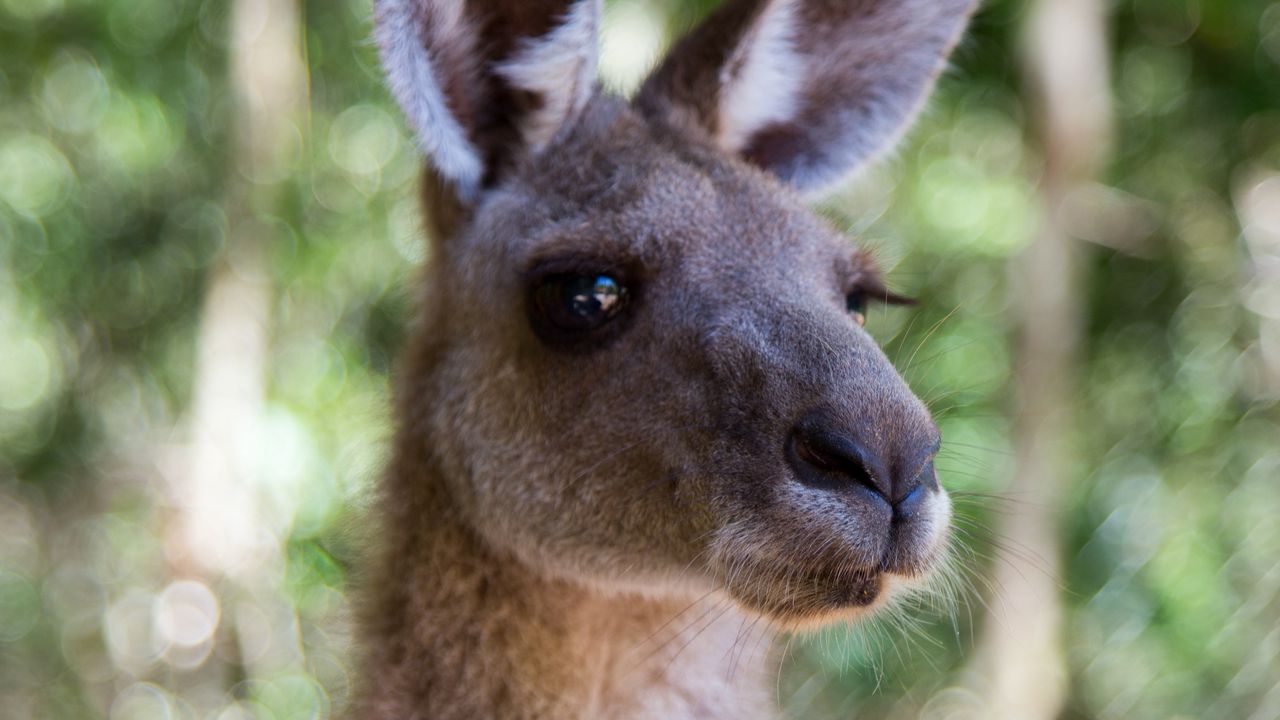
column 641, row 426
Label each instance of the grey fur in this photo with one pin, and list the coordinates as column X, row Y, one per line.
column 585, row 532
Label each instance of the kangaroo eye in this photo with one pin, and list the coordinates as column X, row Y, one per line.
column 569, row 305
column 856, row 304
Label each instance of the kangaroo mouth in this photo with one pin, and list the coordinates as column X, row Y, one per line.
column 851, row 589
column 800, row 595
column 803, row 566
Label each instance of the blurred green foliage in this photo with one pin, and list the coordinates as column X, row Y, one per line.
column 116, row 179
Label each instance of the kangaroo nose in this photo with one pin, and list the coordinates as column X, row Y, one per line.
column 827, row 458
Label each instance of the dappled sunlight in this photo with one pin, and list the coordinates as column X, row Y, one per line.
column 198, row 336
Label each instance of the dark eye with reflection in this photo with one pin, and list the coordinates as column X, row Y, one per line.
column 856, row 304
column 571, row 306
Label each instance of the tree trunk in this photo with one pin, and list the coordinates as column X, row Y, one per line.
column 1021, row 653
column 221, row 533
column 220, row 523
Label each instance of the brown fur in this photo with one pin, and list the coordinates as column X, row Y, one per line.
column 596, row 531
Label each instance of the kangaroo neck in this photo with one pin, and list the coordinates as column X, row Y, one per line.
column 458, row 630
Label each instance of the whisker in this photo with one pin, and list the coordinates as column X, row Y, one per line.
column 995, row 451
column 941, row 353
column 936, row 326
column 673, row 618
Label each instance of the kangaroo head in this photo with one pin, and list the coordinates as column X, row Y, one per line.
column 643, row 364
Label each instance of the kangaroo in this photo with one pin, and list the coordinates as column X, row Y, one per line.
column 639, row 416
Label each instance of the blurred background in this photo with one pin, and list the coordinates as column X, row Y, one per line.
column 208, row 239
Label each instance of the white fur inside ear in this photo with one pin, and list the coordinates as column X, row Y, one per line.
column 559, row 67
column 760, row 85
column 409, row 73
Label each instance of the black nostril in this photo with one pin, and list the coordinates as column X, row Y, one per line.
column 831, row 462
column 909, row 506
column 908, row 499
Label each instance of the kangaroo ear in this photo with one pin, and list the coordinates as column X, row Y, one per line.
column 808, row 89
column 484, row 81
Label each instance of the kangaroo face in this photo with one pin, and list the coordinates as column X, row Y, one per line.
column 657, row 378
column 648, row 368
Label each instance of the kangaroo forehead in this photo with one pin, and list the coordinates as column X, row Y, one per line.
column 618, row 189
